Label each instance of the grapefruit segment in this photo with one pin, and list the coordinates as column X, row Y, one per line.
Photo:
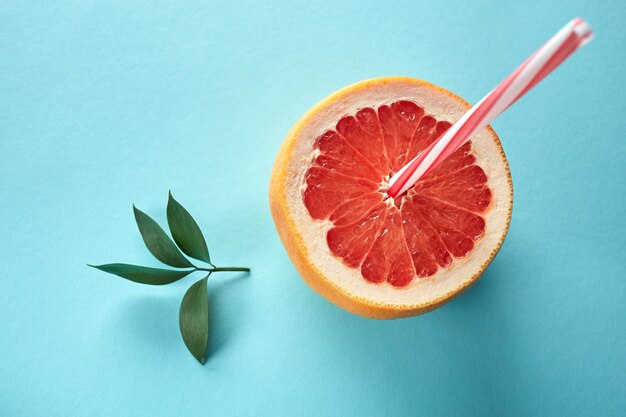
column 327, row 189
column 425, row 246
column 477, row 198
column 461, row 158
column 355, row 208
column 352, row 242
column 463, row 188
column 389, row 258
column 423, row 136
column 408, row 116
column 364, row 129
column 338, row 155
column 398, row 122
column 456, row 227
column 442, row 127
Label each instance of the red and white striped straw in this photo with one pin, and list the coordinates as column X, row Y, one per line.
column 573, row 35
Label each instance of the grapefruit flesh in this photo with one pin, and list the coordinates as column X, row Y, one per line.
column 438, row 220
column 370, row 254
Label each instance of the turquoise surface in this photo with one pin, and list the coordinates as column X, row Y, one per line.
column 105, row 104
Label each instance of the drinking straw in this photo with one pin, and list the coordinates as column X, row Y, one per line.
column 573, row 35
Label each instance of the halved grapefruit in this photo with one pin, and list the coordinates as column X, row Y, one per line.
column 376, row 256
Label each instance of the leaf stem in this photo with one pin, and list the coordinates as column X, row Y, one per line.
column 231, row 268
column 227, row 268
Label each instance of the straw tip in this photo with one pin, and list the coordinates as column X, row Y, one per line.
column 582, row 29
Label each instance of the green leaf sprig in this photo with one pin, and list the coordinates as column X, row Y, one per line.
column 188, row 238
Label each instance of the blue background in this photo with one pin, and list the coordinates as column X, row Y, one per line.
column 103, row 105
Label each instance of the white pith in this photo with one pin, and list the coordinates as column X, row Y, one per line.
column 313, row 232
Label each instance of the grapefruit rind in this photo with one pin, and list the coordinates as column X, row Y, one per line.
column 305, row 238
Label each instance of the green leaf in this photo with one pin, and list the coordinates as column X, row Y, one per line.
column 185, row 231
column 143, row 274
column 194, row 319
column 158, row 243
